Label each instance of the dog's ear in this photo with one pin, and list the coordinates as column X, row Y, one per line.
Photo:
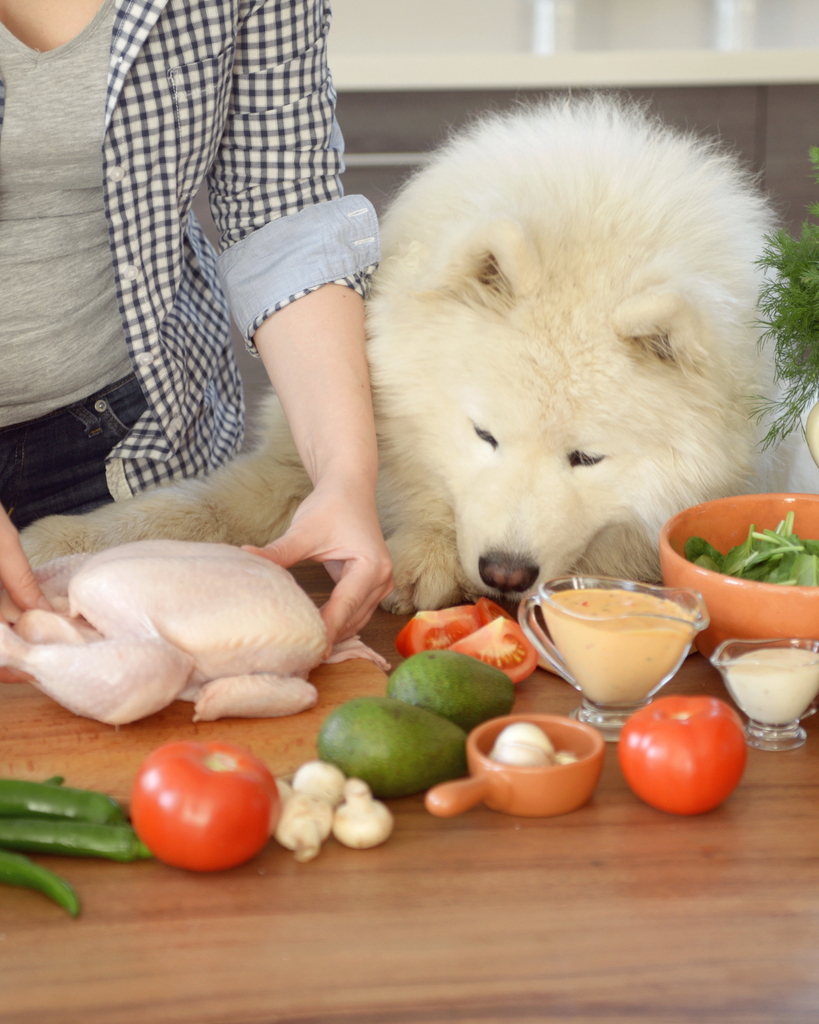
column 497, row 265
column 662, row 323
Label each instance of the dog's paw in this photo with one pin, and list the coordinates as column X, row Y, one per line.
column 399, row 602
column 426, row 571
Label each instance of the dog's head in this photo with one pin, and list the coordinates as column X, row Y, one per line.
column 565, row 376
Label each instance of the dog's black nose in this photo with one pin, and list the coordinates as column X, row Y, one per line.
column 507, row 572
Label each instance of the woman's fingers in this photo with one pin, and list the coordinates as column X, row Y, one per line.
column 16, row 574
column 359, row 590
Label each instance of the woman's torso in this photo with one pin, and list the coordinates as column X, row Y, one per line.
column 60, row 330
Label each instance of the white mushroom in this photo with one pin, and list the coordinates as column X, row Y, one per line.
column 284, row 788
column 523, row 745
column 361, row 822
column 285, row 792
column 304, row 824
column 318, row 778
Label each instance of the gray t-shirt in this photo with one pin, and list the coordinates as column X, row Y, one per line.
column 61, row 337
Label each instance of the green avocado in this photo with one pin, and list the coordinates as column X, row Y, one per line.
column 463, row 689
column 396, row 748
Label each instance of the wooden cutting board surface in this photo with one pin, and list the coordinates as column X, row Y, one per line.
column 39, row 738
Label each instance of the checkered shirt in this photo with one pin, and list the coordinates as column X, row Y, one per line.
column 237, row 94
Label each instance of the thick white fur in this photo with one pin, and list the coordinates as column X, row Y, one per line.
column 567, row 278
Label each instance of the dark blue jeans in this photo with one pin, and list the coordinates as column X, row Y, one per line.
column 56, row 463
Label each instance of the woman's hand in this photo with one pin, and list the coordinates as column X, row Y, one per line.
column 342, row 531
column 16, row 574
column 17, row 577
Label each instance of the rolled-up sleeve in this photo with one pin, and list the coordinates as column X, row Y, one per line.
column 334, row 241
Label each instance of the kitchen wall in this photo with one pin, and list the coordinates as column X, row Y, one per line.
column 771, row 127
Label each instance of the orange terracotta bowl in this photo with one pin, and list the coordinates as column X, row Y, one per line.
column 529, row 792
column 742, row 609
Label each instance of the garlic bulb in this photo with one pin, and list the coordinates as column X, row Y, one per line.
column 523, row 745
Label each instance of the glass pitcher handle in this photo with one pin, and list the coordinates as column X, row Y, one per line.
column 542, row 641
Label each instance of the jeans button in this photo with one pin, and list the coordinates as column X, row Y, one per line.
column 100, row 405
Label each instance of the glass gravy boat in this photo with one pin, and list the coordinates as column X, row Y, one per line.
column 776, row 683
column 614, row 640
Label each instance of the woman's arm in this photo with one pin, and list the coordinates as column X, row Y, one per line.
column 313, row 351
column 285, row 230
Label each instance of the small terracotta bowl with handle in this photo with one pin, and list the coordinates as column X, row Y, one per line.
column 528, row 792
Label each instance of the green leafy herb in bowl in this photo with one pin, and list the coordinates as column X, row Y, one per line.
column 768, row 556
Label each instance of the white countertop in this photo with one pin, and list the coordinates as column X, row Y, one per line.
column 638, row 68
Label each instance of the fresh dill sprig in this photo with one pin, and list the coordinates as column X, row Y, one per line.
column 789, row 315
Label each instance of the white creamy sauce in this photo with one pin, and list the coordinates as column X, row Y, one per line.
column 774, row 685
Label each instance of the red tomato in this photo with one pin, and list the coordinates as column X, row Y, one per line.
column 683, row 755
column 488, row 610
column 204, row 806
column 501, row 643
column 426, row 631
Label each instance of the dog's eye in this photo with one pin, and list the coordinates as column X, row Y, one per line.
column 584, row 459
column 484, row 435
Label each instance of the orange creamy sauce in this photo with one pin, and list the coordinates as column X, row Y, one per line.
column 618, row 644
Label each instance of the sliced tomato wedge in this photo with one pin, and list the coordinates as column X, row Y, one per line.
column 501, row 643
column 434, row 630
column 489, row 610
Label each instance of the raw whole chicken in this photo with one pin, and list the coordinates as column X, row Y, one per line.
column 139, row 626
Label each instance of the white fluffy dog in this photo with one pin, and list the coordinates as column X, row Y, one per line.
column 562, row 352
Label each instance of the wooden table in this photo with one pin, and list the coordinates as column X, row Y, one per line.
column 614, row 913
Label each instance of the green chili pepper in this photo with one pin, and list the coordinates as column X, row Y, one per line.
column 75, row 838
column 21, row 799
column 15, row 869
